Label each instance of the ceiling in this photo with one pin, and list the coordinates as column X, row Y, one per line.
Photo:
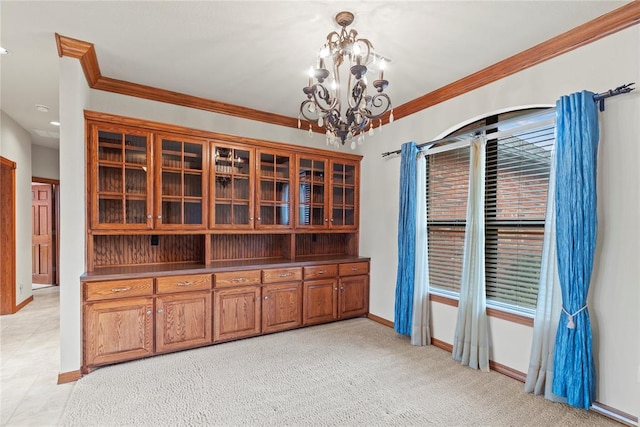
column 255, row 53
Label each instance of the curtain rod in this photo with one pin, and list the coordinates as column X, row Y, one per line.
column 598, row 97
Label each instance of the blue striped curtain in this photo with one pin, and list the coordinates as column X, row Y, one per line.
column 576, row 226
column 406, row 240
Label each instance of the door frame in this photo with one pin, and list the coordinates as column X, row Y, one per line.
column 56, row 223
column 8, row 291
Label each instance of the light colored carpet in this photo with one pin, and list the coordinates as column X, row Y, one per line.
column 355, row 372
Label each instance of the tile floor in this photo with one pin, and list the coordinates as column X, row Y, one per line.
column 30, row 361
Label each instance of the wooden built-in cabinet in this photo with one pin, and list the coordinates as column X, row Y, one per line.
column 328, row 297
column 327, row 193
column 196, row 237
column 132, row 318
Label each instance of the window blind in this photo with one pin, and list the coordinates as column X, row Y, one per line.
column 517, row 177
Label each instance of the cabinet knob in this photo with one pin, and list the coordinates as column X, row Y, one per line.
column 159, row 217
column 259, row 219
column 160, row 311
column 322, row 271
column 149, row 312
column 257, row 298
column 250, row 218
column 335, row 289
column 331, row 219
column 342, row 288
column 326, row 220
column 149, row 216
column 266, row 297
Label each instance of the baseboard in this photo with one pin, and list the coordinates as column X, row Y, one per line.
column 69, row 377
column 441, row 344
column 505, row 370
column 23, row 304
column 380, row 320
column 614, row 414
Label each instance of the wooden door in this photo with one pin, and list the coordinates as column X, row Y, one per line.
column 181, row 183
column 232, row 182
column 183, row 321
column 281, row 307
column 42, row 248
column 354, row 296
column 343, row 196
column 274, row 194
column 320, row 301
column 311, row 192
column 121, row 178
column 118, row 330
column 7, row 236
column 237, row 313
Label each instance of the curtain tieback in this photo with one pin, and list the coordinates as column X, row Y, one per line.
column 570, row 323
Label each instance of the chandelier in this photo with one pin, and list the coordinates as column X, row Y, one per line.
column 346, row 112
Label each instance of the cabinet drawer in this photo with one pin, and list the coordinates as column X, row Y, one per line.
column 275, row 275
column 237, row 278
column 95, row 291
column 192, row 282
column 320, row 271
column 354, row 268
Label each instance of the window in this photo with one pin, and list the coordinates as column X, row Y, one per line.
column 517, row 166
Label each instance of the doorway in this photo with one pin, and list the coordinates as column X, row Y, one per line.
column 7, row 236
column 45, row 232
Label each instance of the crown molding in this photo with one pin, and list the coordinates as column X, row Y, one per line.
column 589, row 32
column 85, row 53
column 619, row 19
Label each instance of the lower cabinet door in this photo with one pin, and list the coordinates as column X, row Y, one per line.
column 354, row 296
column 118, row 330
column 183, row 321
column 281, row 307
column 320, row 301
column 236, row 312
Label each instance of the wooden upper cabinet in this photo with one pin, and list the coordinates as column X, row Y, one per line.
column 327, row 193
column 232, row 186
column 312, row 192
column 274, row 193
column 120, row 178
column 181, row 175
column 343, row 203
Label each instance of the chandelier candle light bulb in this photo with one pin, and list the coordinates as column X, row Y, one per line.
column 345, row 111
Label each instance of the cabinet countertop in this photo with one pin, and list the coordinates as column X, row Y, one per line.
column 159, row 270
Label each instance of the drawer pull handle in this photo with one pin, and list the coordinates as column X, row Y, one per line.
column 121, row 289
column 354, row 268
column 322, row 271
column 239, row 279
column 185, row 284
column 284, row 275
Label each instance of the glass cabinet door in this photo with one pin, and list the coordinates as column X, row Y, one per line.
column 274, row 190
column 311, row 193
column 343, row 195
column 232, row 198
column 180, row 201
column 122, row 179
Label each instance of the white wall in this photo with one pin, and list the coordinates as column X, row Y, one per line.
column 73, row 100
column 45, row 162
column 107, row 102
column 615, row 291
column 16, row 146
